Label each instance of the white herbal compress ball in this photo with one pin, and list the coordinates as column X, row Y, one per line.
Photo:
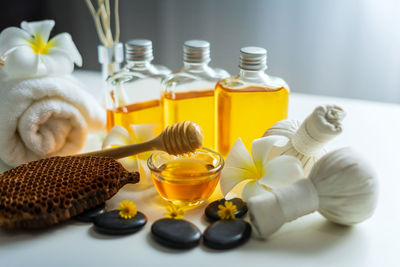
column 341, row 186
column 307, row 140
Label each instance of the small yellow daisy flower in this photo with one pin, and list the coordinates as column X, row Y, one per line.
column 127, row 209
column 227, row 211
column 174, row 212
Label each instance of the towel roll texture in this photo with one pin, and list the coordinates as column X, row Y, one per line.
column 44, row 117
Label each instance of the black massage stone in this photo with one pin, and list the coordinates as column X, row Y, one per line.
column 111, row 223
column 90, row 215
column 179, row 234
column 226, row 234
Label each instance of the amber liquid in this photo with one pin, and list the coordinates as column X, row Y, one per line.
column 197, row 106
column 186, row 181
column 138, row 113
column 247, row 113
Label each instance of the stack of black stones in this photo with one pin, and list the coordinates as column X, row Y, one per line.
column 111, row 222
column 226, row 234
column 178, row 234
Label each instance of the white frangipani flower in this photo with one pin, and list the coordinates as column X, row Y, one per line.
column 260, row 173
column 119, row 136
column 28, row 52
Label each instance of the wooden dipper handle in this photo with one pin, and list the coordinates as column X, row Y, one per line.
column 179, row 138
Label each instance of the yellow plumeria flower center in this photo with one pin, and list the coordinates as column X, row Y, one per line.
column 174, row 212
column 39, row 46
column 260, row 172
column 227, row 211
column 127, row 209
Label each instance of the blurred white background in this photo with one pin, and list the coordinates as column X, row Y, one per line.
column 347, row 48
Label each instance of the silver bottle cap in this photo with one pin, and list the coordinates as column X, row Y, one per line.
column 253, row 58
column 196, row 51
column 139, row 50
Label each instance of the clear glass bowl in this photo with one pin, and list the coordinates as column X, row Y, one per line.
column 188, row 179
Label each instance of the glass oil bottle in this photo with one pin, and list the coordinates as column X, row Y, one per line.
column 250, row 102
column 189, row 93
column 134, row 92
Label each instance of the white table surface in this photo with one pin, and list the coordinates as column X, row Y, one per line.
column 373, row 129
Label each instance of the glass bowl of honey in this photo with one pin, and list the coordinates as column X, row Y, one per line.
column 187, row 179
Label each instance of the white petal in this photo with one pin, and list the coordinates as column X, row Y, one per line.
column 12, row 37
column 252, row 189
column 129, row 163
column 117, row 136
column 145, row 173
column 261, row 147
column 239, row 166
column 230, row 177
column 239, row 157
column 282, row 170
column 63, row 41
column 57, row 63
column 39, row 28
column 21, row 63
column 143, row 132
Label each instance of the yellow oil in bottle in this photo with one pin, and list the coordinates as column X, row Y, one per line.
column 187, row 181
column 196, row 106
column 247, row 113
column 133, row 93
column 138, row 113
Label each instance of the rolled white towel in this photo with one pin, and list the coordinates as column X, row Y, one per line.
column 43, row 117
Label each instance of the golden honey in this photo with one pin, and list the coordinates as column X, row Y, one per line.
column 196, row 106
column 138, row 113
column 247, row 113
column 188, row 179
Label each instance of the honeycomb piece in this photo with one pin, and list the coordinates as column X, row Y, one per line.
column 48, row 191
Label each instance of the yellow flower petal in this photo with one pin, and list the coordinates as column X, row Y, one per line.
column 227, row 211
column 174, row 212
column 39, row 45
column 127, row 209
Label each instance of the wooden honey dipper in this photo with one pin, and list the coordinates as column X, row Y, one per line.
column 179, row 138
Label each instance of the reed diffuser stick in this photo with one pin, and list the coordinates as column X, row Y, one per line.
column 102, row 21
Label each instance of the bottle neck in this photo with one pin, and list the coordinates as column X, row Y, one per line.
column 254, row 75
column 196, row 67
